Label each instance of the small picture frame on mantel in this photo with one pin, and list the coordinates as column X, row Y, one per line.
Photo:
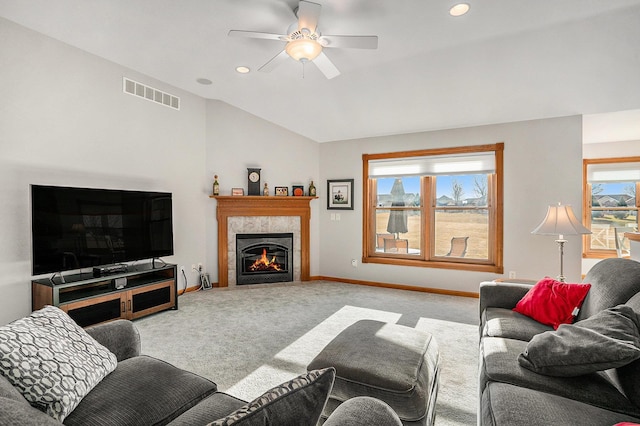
column 281, row 191
column 297, row 190
column 237, row 191
column 340, row 194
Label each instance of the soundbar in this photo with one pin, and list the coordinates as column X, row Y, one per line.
column 108, row 270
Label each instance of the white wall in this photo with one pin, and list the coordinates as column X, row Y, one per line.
column 64, row 120
column 608, row 150
column 237, row 140
column 542, row 165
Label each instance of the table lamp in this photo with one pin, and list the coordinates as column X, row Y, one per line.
column 560, row 221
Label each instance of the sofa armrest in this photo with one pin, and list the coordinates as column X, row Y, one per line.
column 501, row 294
column 121, row 337
column 363, row 411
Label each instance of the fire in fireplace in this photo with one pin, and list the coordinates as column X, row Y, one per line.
column 264, row 264
column 264, row 258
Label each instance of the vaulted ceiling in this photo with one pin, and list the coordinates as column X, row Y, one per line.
column 505, row 60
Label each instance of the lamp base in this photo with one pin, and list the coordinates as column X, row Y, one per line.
column 561, row 242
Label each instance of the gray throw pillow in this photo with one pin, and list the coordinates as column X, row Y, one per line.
column 609, row 339
column 298, row 402
column 52, row 361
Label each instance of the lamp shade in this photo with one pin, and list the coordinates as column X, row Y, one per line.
column 303, row 49
column 560, row 220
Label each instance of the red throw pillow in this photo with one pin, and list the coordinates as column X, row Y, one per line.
column 553, row 302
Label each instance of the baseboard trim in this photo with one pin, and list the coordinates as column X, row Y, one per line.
column 400, row 286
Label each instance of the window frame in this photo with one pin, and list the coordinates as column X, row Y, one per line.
column 495, row 206
column 587, row 251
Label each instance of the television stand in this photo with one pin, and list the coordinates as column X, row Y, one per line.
column 141, row 290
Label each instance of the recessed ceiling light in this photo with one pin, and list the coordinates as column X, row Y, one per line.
column 204, row 81
column 459, row 9
column 242, row 69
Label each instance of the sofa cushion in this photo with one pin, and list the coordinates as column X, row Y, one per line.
column 629, row 375
column 363, row 411
column 20, row 413
column 499, row 363
column 52, row 361
column 609, row 339
column 297, row 402
column 508, row 405
column 501, row 322
column 553, row 302
column 141, row 391
column 613, row 282
column 215, row 406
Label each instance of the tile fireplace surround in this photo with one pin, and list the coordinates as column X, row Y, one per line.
column 256, row 214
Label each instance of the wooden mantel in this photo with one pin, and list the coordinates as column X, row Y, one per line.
column 229, row 206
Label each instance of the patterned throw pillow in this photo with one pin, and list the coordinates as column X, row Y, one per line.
column 52, row 361
column 298, row 402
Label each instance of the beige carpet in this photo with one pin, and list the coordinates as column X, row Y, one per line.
column 251, row 338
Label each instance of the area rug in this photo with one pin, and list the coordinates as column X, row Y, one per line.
column 250, row 338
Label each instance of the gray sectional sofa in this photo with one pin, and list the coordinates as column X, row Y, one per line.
column 513, row 395
column 142, row 390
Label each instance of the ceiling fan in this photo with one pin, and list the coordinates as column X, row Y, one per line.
column 305, row 43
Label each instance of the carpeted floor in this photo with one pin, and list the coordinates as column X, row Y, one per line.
column 251, row 338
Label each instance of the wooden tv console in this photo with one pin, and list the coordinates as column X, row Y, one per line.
column 91, row 300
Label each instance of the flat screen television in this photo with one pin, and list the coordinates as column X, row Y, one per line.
column 75, row 228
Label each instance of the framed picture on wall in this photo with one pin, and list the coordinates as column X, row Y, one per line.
column 340, row 194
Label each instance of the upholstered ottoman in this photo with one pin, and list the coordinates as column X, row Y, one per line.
column 391, row 362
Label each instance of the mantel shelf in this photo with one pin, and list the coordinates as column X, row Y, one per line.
column 250, row 198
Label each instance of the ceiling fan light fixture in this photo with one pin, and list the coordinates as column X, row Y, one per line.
column 303, row 49
column 459, row 9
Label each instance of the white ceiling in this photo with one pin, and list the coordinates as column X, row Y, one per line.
column 506, row 60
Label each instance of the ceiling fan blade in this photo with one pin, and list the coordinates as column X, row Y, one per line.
column 308, row 15
column 255, row 34
column 353, row 42
column 274, row 62
column 325, row 65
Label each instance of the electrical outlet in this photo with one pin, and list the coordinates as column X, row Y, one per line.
column 333, row 216
column 512, row 274
column 354, row 263
column 182, row 268
column 337, row 216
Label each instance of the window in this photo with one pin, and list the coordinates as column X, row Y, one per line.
column 610, row 206
column 435, row 208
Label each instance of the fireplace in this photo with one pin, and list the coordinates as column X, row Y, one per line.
column 264, row 258
column 259, row 214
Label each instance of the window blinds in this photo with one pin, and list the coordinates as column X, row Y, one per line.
column 613, row 172
column 433, row 165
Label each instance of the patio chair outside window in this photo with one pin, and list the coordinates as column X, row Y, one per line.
column 458, row 247
column 392, row 245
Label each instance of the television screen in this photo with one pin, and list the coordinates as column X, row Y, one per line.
column 75, row 228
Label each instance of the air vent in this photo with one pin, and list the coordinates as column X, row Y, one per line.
column 149, row 93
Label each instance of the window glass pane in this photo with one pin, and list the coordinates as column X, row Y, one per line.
column 462, row 190
column 462, row 233
column 619, row 194
column 402, row 225
column 407, row 242
column 406, row 191
column 608, row 211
